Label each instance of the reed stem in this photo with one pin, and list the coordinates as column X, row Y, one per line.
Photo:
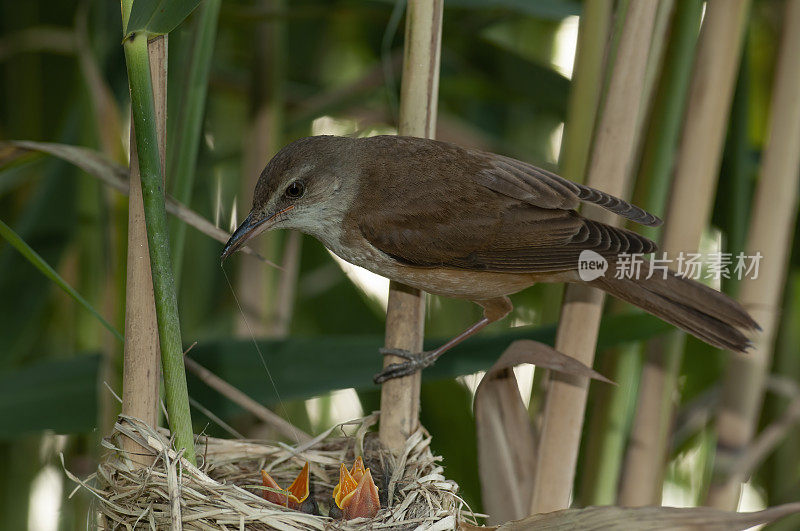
column 150, row 168
column 772, row 225
column 612, row 156
column 405, row 315
column 703, row 134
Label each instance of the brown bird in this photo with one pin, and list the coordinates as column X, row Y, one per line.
column 467, row 224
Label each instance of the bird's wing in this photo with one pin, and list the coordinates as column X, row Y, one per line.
column 473, row 210
column 545, row 189
column 504, row 175
column 501, row 235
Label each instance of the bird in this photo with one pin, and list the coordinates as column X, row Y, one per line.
column 469, row 224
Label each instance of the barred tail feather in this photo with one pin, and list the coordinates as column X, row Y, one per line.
column 695, row 308
column 618, row 206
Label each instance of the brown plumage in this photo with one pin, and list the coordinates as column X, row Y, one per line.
column 468, row 224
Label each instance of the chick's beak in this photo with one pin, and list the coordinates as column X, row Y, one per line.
column 364, row 501
column 300, row 488
column 356, row 493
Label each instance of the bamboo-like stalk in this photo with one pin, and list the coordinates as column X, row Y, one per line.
column 670, row 99
column 735, row 193
column 594, row 30
column 614, row 406
column 145, row 118
column 141, row 368
column 710, row 94
column 786, row 460
column 655, row 62
column 610, row 410
column 594, row 35
column 580, row 316
column 587, row 83
column 188, row 126
column 405, row 314
column 771, row 227
column 256, row 285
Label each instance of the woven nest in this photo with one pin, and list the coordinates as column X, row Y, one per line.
column 222, row 493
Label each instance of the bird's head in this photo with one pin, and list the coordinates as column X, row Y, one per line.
column 304, row 187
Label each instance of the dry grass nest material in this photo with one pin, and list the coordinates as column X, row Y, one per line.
column 222, row 493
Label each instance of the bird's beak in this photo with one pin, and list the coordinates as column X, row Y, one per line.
column 248, row 229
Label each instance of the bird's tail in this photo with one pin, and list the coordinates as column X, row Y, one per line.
column 703, row 312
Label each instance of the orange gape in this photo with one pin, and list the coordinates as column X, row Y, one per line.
column 356, row 493
column 291, row 497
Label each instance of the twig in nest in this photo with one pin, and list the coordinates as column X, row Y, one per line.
column 238, row 397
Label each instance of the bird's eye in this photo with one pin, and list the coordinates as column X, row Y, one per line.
column 295, row 190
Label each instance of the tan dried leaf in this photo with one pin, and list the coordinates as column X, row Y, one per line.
column 116, row 176
column 505, row 438
column 650, row 518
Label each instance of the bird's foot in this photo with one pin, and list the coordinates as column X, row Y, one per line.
column 414, row 362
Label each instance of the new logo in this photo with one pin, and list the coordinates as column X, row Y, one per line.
column 591, row 265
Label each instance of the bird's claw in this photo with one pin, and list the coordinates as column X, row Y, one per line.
column 414, row 362
column 399, row 352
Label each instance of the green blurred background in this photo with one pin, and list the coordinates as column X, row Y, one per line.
column 295, row 68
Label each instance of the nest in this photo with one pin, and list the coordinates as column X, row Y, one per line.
column 223, row 492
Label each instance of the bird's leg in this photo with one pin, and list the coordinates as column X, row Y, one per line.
column 418, row 361
column 493, row 310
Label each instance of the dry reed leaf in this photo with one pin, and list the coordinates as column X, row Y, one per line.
column 544, row 357
column 506, row 447
column 116, row 176
column 506, row 442
column 647, row 518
